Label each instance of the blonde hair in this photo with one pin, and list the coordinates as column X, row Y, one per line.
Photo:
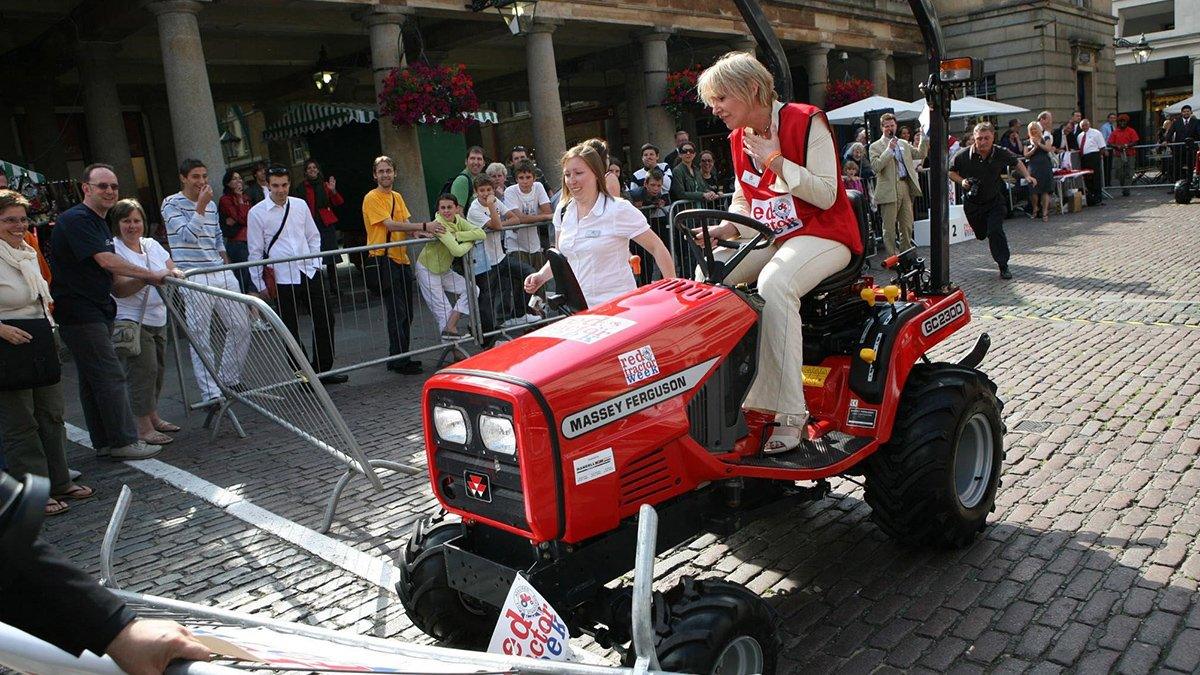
column 383, row 159
column 594, row 163
column 1029, row 129
column 738, row 75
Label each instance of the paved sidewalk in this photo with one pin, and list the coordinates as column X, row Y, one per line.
column 1091, row 563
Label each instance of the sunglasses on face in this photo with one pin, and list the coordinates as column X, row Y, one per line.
column 277, row 171
column 105, row 186
column 687, row 151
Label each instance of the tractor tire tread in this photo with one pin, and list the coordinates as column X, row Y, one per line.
column 704, row 615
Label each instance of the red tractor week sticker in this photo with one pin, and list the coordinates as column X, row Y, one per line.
column 638, row 364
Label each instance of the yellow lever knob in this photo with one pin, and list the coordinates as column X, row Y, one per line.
column 891, row 293
column 867, row 354
column 868, row 294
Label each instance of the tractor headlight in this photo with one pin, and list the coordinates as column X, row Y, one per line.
column 498, row 434
column 450, row 424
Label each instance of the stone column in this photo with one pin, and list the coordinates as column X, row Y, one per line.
column 817, row 65
column 193, row 116
column 635, row 101
column 102, row 112
column 879, row 71
column 660, row 123
column 46, row 154
column 545, row 106
column 1195, row 76
column 401, row 144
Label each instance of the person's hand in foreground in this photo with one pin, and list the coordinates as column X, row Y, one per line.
column 147, row 646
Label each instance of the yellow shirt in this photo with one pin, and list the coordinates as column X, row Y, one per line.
column 379, row 205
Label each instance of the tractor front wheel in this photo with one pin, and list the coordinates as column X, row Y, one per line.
column 446, row 615
column 934, row 483
column 717, row 627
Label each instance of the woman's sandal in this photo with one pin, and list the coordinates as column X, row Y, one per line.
column 157, row 438
column 164, row 426
column 76, row 492
column 787, row 435
column 55, row 507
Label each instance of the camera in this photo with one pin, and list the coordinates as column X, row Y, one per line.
column 973, row 189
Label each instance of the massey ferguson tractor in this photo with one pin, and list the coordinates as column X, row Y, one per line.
column 545, row 447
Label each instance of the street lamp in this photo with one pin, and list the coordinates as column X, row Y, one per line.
column 229, row 145
column 324, row 77
column 517, row 14
column 1141, row 48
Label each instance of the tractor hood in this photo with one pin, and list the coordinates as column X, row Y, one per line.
column 651, row 344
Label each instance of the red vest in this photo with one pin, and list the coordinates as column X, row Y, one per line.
column 837, row 222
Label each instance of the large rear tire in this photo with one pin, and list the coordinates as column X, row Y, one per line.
column 717, row 627
column 454, row 620
column 1183, row 192
column 934, row 483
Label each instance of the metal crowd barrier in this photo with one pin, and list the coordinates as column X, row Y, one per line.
column 1155, row 165
column 265, row 370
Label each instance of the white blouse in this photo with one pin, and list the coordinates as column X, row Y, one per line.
column 154, row 258
column 597, row 246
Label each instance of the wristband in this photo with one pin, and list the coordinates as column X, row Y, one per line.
column 771, row 158
column 424, row 227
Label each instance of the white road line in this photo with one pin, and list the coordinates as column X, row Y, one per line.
column 369, row 568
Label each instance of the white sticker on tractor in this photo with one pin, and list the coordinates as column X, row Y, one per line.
column 638, row 364
column 585, row 328
column 938, row 321
column 596, row 465
column 636, row 400
column 529, row 626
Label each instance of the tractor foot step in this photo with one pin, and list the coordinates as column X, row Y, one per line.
column 830, row 449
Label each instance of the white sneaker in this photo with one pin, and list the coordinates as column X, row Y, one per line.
column 137, row 450
column 532, row 318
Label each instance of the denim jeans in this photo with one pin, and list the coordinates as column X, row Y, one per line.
column 239, row 251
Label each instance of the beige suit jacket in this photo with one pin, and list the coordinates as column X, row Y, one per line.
column 886, row 173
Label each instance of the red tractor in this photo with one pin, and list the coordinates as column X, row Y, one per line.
column 545, row 447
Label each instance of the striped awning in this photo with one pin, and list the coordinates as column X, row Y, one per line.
column 14, row 171
column 308, row 118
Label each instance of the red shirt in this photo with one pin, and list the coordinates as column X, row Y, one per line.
column 784, row 213
column 236, row 207
column 323, row 215
column 1126, row 136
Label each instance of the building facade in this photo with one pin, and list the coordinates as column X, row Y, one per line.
column 1172, row 68
column 144, row 83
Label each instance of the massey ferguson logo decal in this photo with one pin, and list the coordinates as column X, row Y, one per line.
column 635, row 400
column 478, row 486
column 938, row 321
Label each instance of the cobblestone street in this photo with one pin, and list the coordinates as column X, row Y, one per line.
column 1091, row 562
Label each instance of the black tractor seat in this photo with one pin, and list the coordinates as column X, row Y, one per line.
column 845, row 277
column 568, row 296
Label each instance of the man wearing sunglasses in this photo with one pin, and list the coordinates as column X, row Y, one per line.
column 83, row 263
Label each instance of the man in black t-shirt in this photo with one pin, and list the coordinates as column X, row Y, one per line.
column 82, row 265
column 978, row 169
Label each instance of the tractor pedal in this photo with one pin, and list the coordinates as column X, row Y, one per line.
column 827, row 450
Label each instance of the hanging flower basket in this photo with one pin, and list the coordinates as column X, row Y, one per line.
column 681, row 91
column 844, row 92
column 425, row 94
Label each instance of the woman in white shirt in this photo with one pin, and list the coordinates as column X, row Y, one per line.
column 138, row 302
column 594, row 231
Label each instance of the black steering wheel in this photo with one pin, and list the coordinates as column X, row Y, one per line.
column 716, row 271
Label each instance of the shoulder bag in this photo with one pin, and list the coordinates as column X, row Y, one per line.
column 126, row 333
column 33, row 364
column 268, row 273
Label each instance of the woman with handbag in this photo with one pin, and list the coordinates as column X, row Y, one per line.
column 31, row 401
column 140, row 329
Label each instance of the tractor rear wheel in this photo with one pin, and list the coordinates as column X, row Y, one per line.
column 1183, row 192
column 446, row 615
column 717, row 627
column 934, row 483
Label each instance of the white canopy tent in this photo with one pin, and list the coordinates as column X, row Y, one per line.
column 1177, row 107
column 853, row 113
column 972, row 106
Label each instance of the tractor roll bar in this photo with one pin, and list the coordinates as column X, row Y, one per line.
column 936, row 94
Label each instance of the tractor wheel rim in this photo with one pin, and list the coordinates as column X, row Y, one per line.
column 973, row 461
column 742, row 656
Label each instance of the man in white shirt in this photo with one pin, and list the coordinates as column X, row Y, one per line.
column 650, row 161
column 1091, row 157
column 281, row 227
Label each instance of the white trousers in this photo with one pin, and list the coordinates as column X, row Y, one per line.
column 434, row 288
column 785, row 273
column 235, row 317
